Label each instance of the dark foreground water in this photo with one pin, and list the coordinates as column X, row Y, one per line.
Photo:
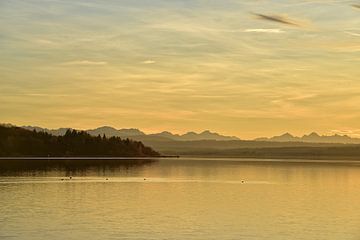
column 180, row 199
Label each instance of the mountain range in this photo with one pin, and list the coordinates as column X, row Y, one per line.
column 166, row 136
column 136, row 133
column 312, row 138
column 206, row 143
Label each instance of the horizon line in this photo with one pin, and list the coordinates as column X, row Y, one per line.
column 199, row 132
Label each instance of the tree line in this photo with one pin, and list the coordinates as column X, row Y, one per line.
column 19, row 142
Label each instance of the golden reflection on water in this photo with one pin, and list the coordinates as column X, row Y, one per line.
column 183, row 199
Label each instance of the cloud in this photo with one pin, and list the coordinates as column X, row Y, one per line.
column 38, row 94
column 356, row 6
column 44, row 41
column 349, row 132
column 149, row 62
column 45, row 95
column 264, row 30
column 278, row 19
column 85, row 63
column 353, row 34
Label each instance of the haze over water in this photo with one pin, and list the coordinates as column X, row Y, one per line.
column 182, row 199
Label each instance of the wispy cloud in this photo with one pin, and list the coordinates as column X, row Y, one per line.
column 85, row 63
column 353, row 34
column 148, row 62
column 44, row 41
column 277, row 18
column 356, row 6
column 349, row 132
column 264, row 30
column 38, row 94
column 45, row 95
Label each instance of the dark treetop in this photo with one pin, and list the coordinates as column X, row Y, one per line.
column 18, row 142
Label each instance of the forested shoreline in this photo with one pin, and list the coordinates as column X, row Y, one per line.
column 19, row 142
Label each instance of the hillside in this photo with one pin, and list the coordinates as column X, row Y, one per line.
column 346, row 152
column 19, row 142
column 256, row 149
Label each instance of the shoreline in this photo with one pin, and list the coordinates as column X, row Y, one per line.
column 186, row 158
column 86, row 158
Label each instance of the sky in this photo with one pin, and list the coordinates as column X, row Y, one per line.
column 248, row 68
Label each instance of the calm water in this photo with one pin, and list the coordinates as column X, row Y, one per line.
column 181, row 199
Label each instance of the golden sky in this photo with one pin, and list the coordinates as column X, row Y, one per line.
column 239, row 67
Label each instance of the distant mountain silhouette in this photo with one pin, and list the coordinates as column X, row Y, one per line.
column 286, row 137
column 166, row 136
column 312, row 138
column 139, row 135
column 192, row 136
column 55, row 132
column 311, row 146
column 112, row 132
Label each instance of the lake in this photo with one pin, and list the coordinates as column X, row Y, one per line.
column 181, row 199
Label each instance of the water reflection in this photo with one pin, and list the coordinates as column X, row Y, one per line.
column 69, row 167
column 188, row 169
column 180, row 199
